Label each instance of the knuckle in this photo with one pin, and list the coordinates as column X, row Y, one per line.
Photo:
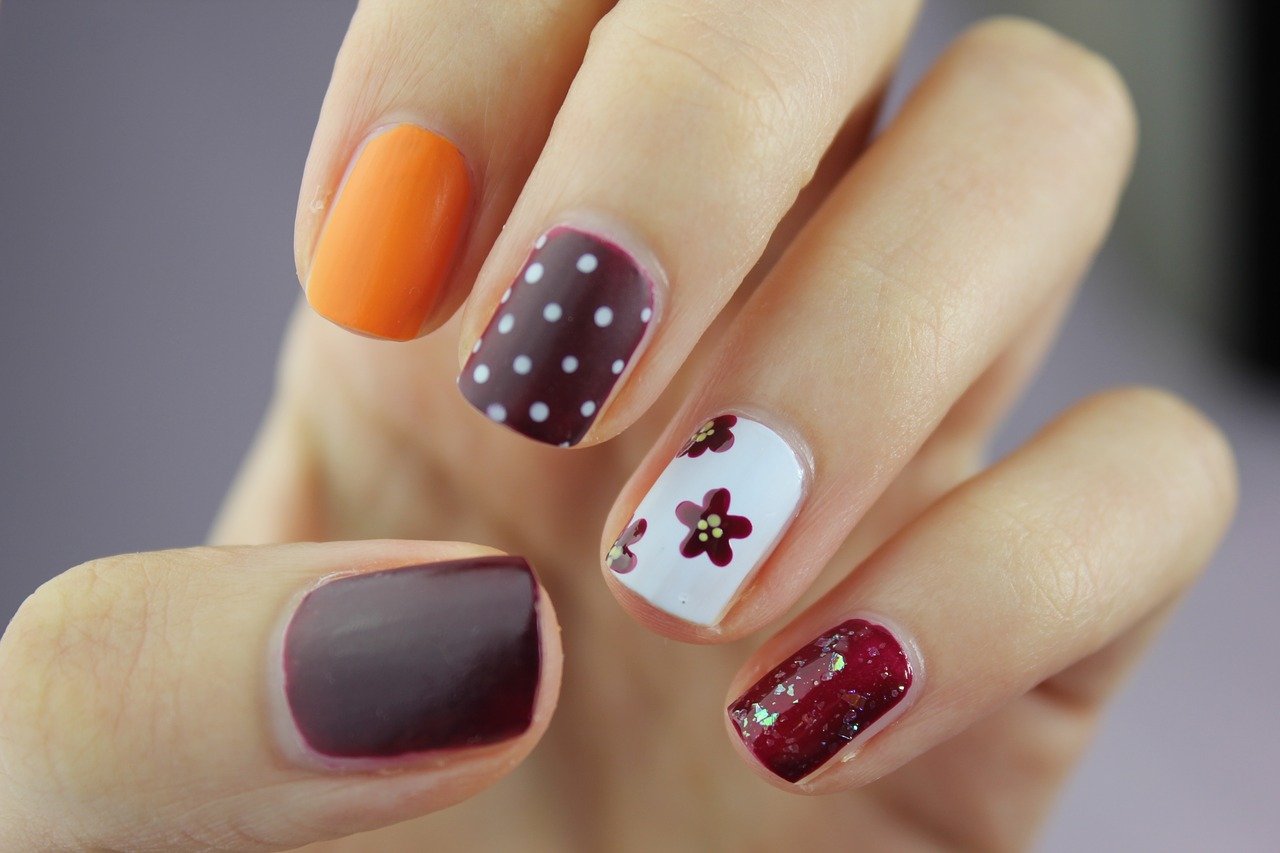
column 1189, row 439
column 40, row 637
column 1057, row 73
column 915, row 325
column 77, row 647
column 33, row 660
column 695, row 58
column 1071, row 578
column 1071, row 553
column 1060, row 573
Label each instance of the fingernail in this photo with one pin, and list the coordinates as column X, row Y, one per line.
column 828, row 693
column 562, row 337
column 713, row 516
column 388, row 246
column 421, row 658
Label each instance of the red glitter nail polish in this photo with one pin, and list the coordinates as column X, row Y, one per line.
column 810, row 707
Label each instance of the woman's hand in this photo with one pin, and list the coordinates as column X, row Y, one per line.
column 674, row 231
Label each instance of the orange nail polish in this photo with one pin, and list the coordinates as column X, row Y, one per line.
column 387, row 248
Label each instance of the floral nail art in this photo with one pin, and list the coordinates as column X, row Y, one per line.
column 711, row 527
column 696, row 558
column 620, row 557
column 715, row 435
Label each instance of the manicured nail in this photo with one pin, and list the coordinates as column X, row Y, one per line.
column 388, row 246
column 824, row 696
column 421, row 658
column 713, row 516
column 561, row 338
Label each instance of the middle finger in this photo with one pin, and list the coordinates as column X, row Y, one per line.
column 686, row 136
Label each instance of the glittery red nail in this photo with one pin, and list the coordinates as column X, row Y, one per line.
column 826, row 694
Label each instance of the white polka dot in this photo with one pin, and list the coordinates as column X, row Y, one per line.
column 569, row 364
column 533, row 273
column 540, row 242
column 646, row 315
column 480, row 374
column 506, row 296
column 604, row 316
column 617, row 366
column 552, row 312
column 476, row 348
column 588, row 263
column 539, row 412
column 506, row 323
column 522, row 364
column 496, row 412
column 588, row 409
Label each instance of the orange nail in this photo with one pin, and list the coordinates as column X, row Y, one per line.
column 384, row 254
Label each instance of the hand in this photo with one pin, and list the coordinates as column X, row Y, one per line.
column 814, row 353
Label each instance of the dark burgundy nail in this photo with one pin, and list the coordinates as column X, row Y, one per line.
column 419, row 658
column 563, row 335
column 826, row 694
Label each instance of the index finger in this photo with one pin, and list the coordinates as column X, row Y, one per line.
column 433, row 118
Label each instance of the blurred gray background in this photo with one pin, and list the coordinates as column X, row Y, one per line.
column 149, row 159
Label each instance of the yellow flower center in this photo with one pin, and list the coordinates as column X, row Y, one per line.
column 708, row 429
column 710, row 527
column 615, row 552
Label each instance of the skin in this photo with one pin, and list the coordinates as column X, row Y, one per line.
column 139, row 709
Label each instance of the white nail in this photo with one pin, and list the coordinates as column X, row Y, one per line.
column 731, row 475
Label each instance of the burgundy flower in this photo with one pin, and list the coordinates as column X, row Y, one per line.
column 715, row 435
column 620, row 558
column 711, row 527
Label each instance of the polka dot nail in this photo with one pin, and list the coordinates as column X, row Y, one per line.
column 560, row 338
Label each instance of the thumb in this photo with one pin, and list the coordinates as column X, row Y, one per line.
column 266, row 697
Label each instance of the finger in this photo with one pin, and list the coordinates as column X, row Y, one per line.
column 1034, row 565
column 958, row 447
column 433, row 118
column 688, row 133
column 991, row 787
column 990, row 192
column 253, row 698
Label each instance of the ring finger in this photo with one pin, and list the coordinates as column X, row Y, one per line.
column 985, row 197
column 1035, row 565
